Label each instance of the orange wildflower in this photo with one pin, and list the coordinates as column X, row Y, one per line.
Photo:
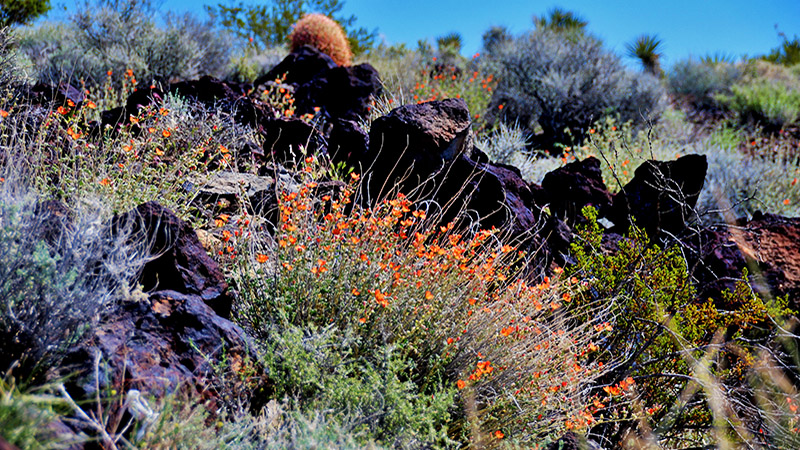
column 262, row 258
column 499, row 434
column 461, row 384
column 381, row 298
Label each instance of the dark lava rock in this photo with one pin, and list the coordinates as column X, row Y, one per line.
column 340, row 93
column 181, row 263
column 661, row 196
column 142, row 98
column 426, row 150
column 59, row 95
column 575, row 185
column 413, row 142
column 348, row 143
column 207, row 89
column 157, row 344
column 286, row 138
column 300, row 67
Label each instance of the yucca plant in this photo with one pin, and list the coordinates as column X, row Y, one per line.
column 561, row 20
column 647, row 49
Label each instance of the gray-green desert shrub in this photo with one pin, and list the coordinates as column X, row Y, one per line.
column 118, row 36
column 698, row 82
column 562, row 85
column 57, row 275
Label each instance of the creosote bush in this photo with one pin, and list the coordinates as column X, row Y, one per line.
column 323, row 33
column 689, row 357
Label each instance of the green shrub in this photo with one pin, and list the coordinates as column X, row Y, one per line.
column 775, row 105
column 324, row 34
column 117, row 36
column 686, row 356
column 252, row 63
column 26, row 417
column 22, row 11
column 788, row 54
column 699, row 82
column 562, row 85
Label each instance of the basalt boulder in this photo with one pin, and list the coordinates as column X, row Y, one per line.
column 156, row 344
column 180, row 262
column 768, row 246
column 340, row 93
column 661, row 196
column 426, row 150
column 414, row 142
column 575, row 185
column 299, row 67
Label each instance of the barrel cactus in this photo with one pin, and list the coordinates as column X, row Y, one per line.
column 324, row 34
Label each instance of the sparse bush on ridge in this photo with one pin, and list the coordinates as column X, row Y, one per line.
column 770, row 103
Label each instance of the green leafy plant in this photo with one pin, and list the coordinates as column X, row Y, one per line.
column 776, row 105
column 672, row 345
column 26, row 417
column 787, row 54
column 561, row 20
column 22, row 12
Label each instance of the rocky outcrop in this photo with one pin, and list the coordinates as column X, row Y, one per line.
column 158, row 343
column 169, row 334
column 575, row 185
column 298, row 68
column 340, row 93
column 180, row 263
column 661, row 196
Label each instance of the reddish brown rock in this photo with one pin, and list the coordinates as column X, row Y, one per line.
column 157, row 344
column 768, row 246
column 181, row 263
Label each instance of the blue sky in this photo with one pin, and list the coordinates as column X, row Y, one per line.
column 686, row 27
